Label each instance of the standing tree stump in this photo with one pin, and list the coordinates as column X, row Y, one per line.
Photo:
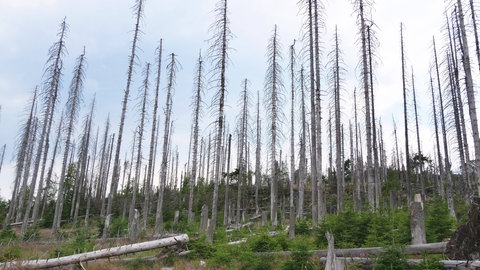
column 417, row 221
column 204, row 219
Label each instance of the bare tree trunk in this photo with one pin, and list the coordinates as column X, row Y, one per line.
column 439, row 153
column 89, row 193
column 139, row 7
column 2, row 156
column 405, row 118
column 22, row 156
column 453, row 84
column 226, row 217
column 441, row 180
column 219, row 55
column 258, row 148
column 273, row 97
column 153, row 139
column 338, row 139
column 52, row 85
column 84, row 160
column 418, row 171
column 357, row 199
column 376, row 170
column 197, row 101
column 132, row 221
column 98, row 254
column 322, row 210
column 470, row 92
column 313, row 117
column 72, row 107
column 291, row 229
column 366, row 88
column 448, row 172
column 303, row 141
column 172, row 68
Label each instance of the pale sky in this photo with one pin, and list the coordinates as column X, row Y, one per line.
column 28, row 28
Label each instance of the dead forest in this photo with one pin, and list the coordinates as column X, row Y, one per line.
column 285, row 158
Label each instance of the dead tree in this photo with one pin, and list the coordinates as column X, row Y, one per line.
column 172, row 69
column 72, row 109
column 273, row 104
column 196, row 105
column 153, row 139
column 219, row 57
column 139, row 8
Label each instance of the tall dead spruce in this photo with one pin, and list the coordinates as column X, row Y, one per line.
column 153, row 140
column 218, row 54
column 360, row 7
column 172, row 69
column 49, row 96
column 470, row 90
column 273, row 104
column 133, row 215
column 71, row 113
column 196, row 105
column 139, row 7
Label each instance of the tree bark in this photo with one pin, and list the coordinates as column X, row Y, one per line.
column 99, row 254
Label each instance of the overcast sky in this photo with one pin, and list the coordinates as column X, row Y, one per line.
column 28, row 28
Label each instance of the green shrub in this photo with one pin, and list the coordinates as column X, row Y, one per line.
column 302, row 227
column 438, row 223
column 200, row 249
column 282, row 241
column 392, row 259
column 248, row 261
column 229, row 255
column 118, row 227
column 263, row 243
column 349, row 229
column 356, row 229
column 300, row 259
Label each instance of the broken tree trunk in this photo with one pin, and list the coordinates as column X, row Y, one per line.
column 99, row 254
column 417, row 221
column 330, row 263
column 432, row 248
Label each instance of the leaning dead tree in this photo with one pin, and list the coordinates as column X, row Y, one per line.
column 49, row 95
column 139, row 8
column 72, row 109
column 98, row 254
column 23, row 146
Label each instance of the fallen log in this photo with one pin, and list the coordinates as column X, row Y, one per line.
column 432, row 248
column 98, row 254
column 448, row 264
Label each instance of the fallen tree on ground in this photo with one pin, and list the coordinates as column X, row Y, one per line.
column 98, row 254
column 432, row 248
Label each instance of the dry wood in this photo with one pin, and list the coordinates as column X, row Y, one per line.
column 432, row 248
column 98, row 254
